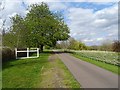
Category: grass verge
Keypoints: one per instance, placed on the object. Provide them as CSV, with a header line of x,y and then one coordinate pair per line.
x,y
56,75
24,73
37,73
69,80
106,66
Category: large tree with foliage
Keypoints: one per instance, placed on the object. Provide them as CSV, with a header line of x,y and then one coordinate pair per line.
x,y
45,27
40,27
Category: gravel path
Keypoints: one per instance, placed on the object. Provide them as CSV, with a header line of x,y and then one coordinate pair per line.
x,y
89,75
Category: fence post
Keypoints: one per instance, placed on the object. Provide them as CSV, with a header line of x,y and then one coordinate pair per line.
x,y
27,52
16,53
37,52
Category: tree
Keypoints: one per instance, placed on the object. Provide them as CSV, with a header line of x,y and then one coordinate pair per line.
x,y
71,43
16,35
106,45
18,30
45,27
76,45
9,40
40,27
3,27
116,46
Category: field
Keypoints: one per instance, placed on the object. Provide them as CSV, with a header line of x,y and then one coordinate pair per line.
x,y
104,59
103,56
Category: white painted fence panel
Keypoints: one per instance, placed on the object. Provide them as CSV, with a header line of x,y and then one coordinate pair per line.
x,y
27,51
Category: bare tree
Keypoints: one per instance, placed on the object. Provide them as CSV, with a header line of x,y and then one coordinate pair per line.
x,y
116,46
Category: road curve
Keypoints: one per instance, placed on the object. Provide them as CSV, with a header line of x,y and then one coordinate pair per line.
x,y
89,75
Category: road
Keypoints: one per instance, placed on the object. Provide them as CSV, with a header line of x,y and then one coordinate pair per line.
x,y
89,75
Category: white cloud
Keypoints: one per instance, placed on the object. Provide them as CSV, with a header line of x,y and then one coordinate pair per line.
x,y
88,40
94,26
12,15
57,6
1,22
100,39
10,9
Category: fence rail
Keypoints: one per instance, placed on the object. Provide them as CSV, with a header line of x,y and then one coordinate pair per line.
x,y
28,52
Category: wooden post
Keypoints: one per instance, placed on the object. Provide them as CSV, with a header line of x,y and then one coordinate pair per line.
x,y
27,52
16,53
37,52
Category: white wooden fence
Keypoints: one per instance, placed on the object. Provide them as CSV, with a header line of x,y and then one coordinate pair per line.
x,y
28,52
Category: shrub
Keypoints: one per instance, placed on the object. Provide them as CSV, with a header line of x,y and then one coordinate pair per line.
x,y
7,54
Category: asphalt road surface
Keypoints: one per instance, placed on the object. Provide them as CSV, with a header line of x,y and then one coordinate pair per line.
x,y
89,75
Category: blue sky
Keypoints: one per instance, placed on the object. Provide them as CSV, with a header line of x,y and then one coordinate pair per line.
x,y
89,22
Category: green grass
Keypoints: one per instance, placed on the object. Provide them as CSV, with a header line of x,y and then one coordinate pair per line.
x,y
69,80
104,65
24,73
36,73
57,76
0,79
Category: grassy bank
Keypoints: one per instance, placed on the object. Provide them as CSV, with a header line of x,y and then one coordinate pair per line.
x,y
104,65
37,73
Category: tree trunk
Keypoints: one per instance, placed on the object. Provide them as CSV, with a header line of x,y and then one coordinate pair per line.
x,y
41,48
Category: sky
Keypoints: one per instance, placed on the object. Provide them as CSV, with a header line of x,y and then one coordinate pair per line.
x,y
90,21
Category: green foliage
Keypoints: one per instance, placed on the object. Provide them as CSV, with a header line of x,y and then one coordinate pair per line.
x,y
71,44
15,37
40,27
76,45
10,40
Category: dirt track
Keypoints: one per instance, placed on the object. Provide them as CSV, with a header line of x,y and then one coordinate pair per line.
x,y
89,75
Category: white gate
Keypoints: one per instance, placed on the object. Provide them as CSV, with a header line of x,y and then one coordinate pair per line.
x,y
27,51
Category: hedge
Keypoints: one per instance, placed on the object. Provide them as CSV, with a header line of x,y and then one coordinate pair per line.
x,y
7,54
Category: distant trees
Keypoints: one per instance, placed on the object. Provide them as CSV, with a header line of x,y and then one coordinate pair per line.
x,y
107,46
71,43
76,45
116,46
40,27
